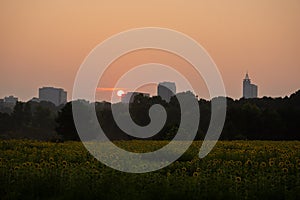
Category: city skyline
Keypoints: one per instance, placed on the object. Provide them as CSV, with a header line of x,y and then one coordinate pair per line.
x,y
126,95
44,43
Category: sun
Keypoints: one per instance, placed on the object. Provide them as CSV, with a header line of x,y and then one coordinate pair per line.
x,y
120,93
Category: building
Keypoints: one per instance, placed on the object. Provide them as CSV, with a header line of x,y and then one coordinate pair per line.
x,y
10,101
249,89
166,90
55,95
7,104
129,96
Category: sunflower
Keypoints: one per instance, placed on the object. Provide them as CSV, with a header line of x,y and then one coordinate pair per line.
x,y
285,170
281,164
195,174
238,179
238,163
220,171
248,163
263,164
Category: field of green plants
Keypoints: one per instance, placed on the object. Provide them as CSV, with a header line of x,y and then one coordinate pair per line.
x,y
233,170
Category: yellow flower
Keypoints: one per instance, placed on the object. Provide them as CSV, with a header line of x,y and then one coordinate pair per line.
x,y
248,163
195,174
263,164
238,179
52,164
64,162
285,170
281,164
239,163
51,159
220,171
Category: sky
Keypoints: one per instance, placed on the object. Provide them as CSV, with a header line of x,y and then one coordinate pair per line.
x,y
43,43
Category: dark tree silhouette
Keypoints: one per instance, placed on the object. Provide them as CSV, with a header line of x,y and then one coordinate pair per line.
x,y
252,119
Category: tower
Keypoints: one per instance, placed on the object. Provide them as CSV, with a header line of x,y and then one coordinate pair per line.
x,y
249,89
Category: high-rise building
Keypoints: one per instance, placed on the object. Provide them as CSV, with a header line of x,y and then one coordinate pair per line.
x,y
166,90
55,95
10,100
249,89
129,96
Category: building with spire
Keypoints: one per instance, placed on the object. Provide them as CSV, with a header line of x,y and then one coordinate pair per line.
x,y
249,89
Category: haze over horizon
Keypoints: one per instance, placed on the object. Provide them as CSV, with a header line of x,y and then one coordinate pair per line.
x,y
43,43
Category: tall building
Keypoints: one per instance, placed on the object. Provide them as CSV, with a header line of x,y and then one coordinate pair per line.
x,y
129,96
55,95
166,90
10,100
249,89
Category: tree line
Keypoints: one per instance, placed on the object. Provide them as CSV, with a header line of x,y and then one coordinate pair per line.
x,y
246,119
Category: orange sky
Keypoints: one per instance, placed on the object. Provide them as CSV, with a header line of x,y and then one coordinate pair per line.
x,y
43,43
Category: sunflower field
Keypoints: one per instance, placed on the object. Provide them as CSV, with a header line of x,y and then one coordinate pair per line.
x,y
232,170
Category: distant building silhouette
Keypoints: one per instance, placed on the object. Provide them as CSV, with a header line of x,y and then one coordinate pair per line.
x,y
249,89
7,104
129,96
166,90
55,95
10,101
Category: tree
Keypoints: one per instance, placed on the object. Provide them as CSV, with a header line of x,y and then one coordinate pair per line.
x,y
65,123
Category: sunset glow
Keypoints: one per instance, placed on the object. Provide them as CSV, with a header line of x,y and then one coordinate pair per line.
x,y
50,39
109,89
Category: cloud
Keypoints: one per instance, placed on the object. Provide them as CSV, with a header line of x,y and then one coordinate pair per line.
x,y
109,89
